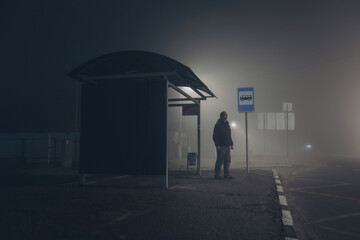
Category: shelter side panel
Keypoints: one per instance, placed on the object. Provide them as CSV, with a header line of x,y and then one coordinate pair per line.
x,y
123,127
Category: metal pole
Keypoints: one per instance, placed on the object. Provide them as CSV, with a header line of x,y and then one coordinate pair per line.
x,y
247,154
55,160
76,123
166,177
180,138
264,134
23,149
49,148
287,133
198,142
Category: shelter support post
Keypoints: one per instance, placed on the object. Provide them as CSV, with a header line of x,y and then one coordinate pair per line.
x,y
76,116
166,177
198,143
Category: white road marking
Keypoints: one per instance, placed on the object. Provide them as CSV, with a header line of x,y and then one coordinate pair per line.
x,y
322,186
107,179
339,231
182,187
286,217
124,216
92,182
282,200
286,214
328,195
334,218
275,173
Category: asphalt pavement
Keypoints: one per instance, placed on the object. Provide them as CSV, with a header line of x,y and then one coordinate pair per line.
x,y
51,204
324,198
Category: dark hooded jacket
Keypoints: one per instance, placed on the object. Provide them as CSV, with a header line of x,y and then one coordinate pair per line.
x,y
222,134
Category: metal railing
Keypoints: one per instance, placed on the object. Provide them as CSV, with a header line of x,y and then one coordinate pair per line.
x,y
41,148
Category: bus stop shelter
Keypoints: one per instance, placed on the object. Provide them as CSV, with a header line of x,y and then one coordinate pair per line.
x,y
121,111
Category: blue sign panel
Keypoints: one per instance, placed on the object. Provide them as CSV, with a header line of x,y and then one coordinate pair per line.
x,y
246,99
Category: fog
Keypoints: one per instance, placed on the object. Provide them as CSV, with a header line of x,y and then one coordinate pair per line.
x,y
303,52
324,98
309,58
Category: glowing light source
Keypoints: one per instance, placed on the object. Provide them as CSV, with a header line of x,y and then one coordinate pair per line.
x,y
308,147
189,91
233,124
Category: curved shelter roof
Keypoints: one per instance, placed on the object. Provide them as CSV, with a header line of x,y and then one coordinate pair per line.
x,y
138,64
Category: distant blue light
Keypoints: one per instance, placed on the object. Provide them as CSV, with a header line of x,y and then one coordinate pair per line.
x,y
308,147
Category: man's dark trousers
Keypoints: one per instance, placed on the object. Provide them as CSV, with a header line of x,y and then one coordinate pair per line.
x,y
223,157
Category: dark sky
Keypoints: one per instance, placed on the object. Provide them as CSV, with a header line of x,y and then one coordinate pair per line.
x,y
43,40
285,49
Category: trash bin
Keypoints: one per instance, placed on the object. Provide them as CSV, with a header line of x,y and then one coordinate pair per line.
x,y
191,160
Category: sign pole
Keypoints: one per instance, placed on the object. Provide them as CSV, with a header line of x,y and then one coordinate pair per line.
x,y
246,104
287,132
287,107
247,153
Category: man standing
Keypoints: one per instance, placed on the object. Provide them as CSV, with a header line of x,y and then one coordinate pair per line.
x,y
223,143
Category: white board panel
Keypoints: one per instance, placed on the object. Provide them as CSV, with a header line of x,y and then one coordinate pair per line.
x,y
270,121
280,121
291,121
261,121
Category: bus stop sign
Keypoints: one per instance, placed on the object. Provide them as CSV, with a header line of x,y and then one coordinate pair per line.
x,y
246,99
